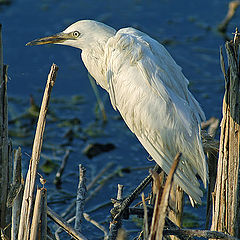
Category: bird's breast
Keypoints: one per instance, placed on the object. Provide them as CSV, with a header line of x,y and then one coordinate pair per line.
x,y
94,64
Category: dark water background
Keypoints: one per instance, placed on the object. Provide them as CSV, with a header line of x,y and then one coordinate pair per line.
x,y
186,28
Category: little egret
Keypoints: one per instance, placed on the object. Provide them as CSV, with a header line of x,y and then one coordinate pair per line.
x,y
149,90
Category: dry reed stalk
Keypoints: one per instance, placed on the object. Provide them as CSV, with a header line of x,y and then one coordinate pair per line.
x,y
158,220
157,193
128,201
81,197
102,183
36,150
36,219
1,56
115,225
64,225
17,201
176,203
57,180
226,197
89,186
232,7
59,229
189,233
210,147
122,235
96,224
145,218
43,231
99,175
5,147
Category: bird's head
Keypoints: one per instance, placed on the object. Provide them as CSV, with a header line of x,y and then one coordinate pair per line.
x,y
81,34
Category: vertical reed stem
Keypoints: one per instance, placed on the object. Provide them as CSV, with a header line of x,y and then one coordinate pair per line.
x,y
226,196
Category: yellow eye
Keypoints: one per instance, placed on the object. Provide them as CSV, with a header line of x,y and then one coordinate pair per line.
x,y
76,34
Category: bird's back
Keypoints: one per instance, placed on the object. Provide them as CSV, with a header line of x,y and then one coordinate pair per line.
x,y
151,93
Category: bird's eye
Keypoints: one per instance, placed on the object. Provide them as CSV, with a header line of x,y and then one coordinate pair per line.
x,y
76,34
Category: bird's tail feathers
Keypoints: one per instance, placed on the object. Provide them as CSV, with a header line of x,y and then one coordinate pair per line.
x,y
185,176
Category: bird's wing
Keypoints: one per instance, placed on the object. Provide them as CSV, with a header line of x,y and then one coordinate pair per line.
x,y
151,93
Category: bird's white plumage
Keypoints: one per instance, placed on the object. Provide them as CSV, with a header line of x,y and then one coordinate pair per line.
x,y
149,90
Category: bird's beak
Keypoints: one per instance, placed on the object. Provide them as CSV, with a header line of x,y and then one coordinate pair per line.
x,y
57,38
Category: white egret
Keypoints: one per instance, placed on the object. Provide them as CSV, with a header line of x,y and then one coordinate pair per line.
x,y
149,90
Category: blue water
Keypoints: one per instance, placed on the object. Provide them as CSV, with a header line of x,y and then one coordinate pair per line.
x,y
187,27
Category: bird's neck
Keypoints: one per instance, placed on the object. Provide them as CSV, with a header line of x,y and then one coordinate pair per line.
x,y
93,59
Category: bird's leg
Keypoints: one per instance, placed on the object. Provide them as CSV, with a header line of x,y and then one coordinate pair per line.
x,y
118,212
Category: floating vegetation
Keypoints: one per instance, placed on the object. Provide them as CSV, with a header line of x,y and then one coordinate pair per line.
x,y
48,166
94,130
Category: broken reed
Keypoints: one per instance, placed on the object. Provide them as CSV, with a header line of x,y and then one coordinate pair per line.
x,y
226,197
28,195
5,146
32,227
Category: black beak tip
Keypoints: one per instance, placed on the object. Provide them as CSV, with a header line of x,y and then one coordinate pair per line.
x,y
32,43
